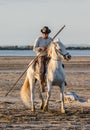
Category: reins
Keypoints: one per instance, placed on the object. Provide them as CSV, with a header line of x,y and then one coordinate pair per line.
x,y
64,55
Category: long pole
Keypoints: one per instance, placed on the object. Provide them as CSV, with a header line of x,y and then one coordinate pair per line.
x,y
31,64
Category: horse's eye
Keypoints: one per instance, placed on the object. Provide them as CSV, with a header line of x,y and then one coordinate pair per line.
x,y
60,49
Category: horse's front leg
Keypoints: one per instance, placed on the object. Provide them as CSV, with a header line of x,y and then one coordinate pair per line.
x,y
41,98
49,85
32,95
62,98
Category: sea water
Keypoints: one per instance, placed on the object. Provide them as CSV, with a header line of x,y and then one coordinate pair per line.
x,y
32,53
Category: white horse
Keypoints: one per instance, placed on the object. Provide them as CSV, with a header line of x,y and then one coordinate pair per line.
x,y
55,76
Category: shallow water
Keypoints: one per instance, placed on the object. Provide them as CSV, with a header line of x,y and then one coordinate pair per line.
x,y
32,53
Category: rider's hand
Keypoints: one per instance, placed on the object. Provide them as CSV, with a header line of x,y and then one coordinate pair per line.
x,y
43,48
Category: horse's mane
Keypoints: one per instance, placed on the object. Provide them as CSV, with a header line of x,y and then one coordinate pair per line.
x,y
49,50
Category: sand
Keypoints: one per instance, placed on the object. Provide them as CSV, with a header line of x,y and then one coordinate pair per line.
x,y
15,116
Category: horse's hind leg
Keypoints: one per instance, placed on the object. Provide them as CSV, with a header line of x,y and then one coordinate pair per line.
x,y
32,95
62,98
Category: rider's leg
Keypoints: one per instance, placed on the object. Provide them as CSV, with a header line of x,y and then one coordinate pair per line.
x,y
41,73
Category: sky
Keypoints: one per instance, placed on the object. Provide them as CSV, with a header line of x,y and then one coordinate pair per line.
x,y
22,20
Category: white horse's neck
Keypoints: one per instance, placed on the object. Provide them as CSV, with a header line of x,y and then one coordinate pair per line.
x,y
56,62
55,57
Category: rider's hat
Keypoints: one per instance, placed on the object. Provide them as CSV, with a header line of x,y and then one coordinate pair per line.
x,y
45,30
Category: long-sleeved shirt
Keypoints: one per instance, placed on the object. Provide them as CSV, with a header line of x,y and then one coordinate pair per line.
x,y
41,42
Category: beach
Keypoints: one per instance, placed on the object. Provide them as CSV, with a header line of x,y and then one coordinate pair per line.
x,y
15,116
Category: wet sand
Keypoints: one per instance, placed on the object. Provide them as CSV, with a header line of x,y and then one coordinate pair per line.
x,y
15,116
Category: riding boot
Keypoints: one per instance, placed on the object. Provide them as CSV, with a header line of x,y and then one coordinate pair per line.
x,y
41,72
42,87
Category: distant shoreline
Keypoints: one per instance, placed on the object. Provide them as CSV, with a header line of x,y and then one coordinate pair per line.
x,y
31,48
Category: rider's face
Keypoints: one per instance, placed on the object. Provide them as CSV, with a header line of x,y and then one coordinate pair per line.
x,y
44,35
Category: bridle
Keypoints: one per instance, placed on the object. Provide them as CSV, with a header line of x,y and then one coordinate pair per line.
x,y
66,56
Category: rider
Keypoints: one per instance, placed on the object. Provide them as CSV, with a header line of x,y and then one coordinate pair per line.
x,y
40,46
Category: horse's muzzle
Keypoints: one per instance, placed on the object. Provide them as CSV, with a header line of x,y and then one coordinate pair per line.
x,y
67,56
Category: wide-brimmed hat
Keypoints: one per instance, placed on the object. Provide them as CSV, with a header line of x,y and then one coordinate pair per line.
x,y
46,30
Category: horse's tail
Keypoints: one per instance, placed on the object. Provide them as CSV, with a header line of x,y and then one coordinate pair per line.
x,y
25,92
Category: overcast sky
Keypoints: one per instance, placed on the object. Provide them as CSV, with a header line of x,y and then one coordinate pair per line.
x,y
22,20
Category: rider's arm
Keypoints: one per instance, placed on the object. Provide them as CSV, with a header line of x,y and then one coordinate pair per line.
x,y
36,46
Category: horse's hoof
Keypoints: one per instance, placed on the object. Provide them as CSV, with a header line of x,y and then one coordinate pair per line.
x,y
62,111
41,106
45,108
33,109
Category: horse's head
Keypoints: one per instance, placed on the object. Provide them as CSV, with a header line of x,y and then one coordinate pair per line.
x,y
57,50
